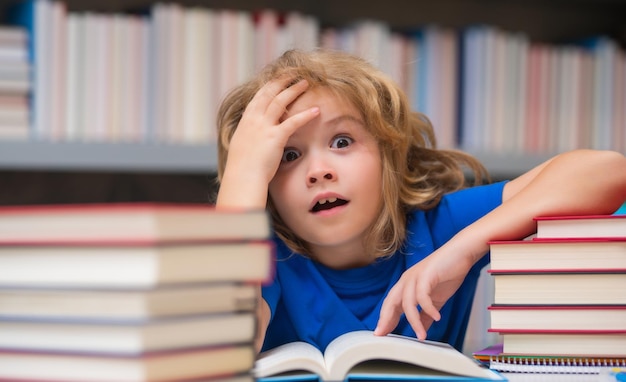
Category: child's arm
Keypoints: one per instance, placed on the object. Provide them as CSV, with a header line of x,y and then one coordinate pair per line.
x,y
257,145
254,154
263,319
578,182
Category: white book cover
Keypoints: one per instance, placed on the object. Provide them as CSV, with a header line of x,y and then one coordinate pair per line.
x,y
266,37
74,79
226,74
244,46
174,74
198,82
520,60
544,99
303,31
100,120
41,90
145,70
158,61
399,60
619,102
604,53
553,99
58,70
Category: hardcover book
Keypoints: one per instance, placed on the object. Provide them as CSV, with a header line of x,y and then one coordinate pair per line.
x,y
558,254
361,355
125,304
553,288
578,343
212,363
129,222
133,266
558,317
584,226
132,338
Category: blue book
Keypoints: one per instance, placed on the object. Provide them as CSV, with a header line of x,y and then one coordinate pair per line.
x,y
362,356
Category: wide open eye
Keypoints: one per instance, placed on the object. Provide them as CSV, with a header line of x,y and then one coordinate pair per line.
x,y
341,142
289,155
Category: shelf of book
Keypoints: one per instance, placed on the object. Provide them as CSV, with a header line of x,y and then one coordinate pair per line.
x,y
164,158
124,105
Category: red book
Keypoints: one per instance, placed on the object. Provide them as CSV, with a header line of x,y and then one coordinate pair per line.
x,y
577,343
557,317
142,245
558,255
129,223
134,266
585,226
220,363
547,287
132,338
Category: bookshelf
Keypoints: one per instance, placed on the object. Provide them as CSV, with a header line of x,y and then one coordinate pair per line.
x,y
553,21
182,159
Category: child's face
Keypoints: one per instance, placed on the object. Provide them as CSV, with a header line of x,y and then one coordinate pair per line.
x,y
328,188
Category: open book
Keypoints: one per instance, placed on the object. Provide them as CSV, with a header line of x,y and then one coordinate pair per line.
x,y
361,355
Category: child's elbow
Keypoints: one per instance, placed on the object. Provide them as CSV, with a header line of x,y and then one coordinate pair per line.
x,y
613,165
610,164
608,170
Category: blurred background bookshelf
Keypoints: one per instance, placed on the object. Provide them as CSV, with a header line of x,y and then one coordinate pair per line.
x,y
153,163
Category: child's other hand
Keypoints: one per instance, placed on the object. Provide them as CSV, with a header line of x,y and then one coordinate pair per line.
x,y
429,284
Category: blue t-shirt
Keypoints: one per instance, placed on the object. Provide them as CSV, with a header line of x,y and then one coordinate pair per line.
x,y
313,303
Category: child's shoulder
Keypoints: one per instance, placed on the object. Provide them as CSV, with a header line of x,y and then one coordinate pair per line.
x,y
460,208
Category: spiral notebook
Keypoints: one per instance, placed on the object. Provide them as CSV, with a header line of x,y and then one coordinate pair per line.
x,y
494,358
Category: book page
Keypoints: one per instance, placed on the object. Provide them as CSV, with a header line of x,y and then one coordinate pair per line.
x,y
353,348
290,357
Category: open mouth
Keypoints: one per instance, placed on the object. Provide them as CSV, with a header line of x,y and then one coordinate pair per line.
x,y
327,204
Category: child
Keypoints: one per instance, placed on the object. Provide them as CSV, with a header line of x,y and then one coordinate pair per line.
x,y
375,227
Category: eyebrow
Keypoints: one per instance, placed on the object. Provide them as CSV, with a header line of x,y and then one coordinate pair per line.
x,y
346,117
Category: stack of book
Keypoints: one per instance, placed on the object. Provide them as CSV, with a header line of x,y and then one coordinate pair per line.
x,y
132,292
15,83
560,297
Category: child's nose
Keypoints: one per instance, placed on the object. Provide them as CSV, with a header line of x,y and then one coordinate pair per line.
x,y
327,176
319,172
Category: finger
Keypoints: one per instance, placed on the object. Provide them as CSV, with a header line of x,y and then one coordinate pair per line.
x,y
390,312
278,106
429,308
266,94
294,122
409,305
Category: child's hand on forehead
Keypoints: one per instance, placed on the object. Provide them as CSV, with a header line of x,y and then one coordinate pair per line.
x,y
262,134
257,145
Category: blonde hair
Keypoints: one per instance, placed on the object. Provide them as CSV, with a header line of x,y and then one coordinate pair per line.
x,y
415,174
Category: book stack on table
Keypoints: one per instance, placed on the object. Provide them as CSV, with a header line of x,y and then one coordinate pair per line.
x,y
560,297
132,292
